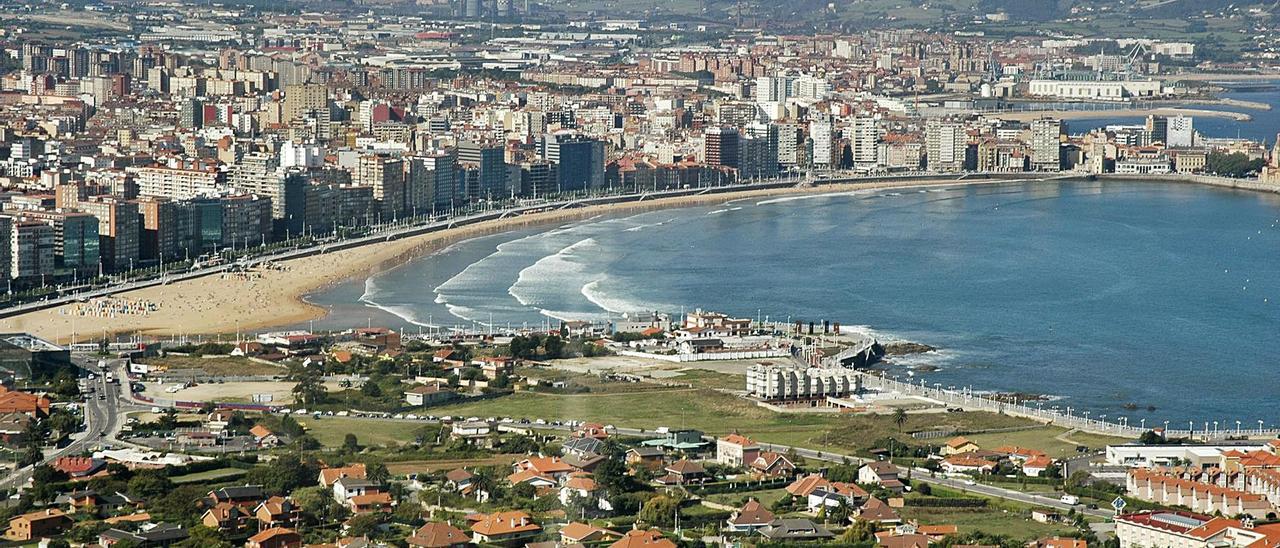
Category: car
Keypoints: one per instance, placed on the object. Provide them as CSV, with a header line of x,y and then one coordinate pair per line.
x,y
1093,506
411,417
970,482
540,421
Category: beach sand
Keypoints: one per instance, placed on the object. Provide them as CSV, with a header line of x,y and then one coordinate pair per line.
x,y
219,304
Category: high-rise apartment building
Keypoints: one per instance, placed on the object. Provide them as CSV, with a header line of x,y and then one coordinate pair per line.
x,y
1046,145
945,145
720,147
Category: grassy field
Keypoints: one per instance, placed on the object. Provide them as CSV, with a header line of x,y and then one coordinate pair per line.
x,y
996,521
218,366
717,413
426,466
1045,439
330,431
209,475
766,497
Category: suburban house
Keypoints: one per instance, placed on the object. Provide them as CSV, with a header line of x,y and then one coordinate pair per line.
x,y
583,448
371,502
329,476
752,517
585,487
225,516
34,525
967,464
438,535
772,465
882,473
275,537
276,512
683,472
876,511
591,430
1018,454
637,538
1035,466
472,432
583,533
245,496
427,394
459,480
504,527
346,488
532,477
650,458
263,436
958,445
795,530
835,494
551,467
493,366
147,536
736,450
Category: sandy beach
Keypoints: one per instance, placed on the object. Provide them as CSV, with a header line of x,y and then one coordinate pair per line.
x,y
226,304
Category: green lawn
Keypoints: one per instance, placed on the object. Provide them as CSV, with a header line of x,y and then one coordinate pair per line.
x,y
766,497
209,475
330,431
1045,439
1014,524
717,413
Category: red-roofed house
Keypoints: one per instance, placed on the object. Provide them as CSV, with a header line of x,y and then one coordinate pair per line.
x,y
736,450
504,527
438,535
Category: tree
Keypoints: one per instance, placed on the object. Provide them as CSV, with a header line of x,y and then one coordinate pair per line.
x,y
201,536
553,346
350,444
317,504
363,525
660,511
377,472
1236,164
309,389
370,389
148,484
32,455
900,417
861,531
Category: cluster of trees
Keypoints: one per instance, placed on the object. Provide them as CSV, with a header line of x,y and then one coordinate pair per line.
x,y
535,346
1236,164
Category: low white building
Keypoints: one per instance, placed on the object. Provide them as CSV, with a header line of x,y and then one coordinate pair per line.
x,y
1148,456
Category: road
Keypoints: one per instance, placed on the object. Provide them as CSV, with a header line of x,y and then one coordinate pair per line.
x,y
101,416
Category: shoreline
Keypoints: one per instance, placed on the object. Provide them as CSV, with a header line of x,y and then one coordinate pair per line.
x,y
219,304
273,298
1028,115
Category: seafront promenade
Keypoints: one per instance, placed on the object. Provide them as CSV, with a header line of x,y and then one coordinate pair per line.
x,y
417,226
964,397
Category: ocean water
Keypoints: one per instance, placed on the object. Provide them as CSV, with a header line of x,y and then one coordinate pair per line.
x,y
1102,294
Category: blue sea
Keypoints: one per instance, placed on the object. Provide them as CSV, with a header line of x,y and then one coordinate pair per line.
x,y
1101,294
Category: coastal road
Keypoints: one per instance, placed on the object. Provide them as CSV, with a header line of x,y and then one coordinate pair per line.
x,y
101,410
